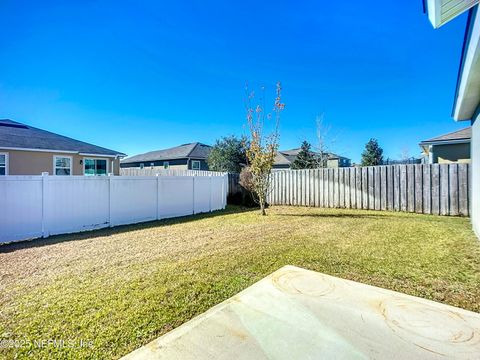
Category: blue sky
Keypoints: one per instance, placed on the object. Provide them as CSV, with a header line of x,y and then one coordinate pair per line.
x,y
140,76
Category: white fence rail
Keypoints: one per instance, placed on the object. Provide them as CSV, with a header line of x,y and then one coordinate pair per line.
x,y
39,206
167,172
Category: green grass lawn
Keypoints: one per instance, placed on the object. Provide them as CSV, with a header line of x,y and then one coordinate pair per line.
x,y
120,288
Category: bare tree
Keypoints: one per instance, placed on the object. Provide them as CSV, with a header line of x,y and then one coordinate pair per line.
x,y
404,153
324,140
262,148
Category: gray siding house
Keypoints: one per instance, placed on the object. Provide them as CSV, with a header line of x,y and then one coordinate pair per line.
x,y
466,105
285,158
453,147
192,156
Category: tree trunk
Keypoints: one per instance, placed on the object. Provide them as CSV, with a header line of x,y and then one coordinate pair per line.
x,y
262,208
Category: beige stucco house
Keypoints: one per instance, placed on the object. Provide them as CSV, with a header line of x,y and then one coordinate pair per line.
x,y
453,147
25,150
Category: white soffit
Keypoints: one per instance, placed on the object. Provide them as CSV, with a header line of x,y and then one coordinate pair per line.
x,y
442,11
468,87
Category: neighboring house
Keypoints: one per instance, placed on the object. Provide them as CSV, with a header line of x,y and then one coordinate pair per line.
x,y
467,95
191,156
285,158
453,147
25,150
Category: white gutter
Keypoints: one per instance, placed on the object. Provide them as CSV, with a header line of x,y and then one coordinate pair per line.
x,y
446,142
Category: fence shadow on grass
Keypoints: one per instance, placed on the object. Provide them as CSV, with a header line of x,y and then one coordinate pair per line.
x,y
56,239
343,215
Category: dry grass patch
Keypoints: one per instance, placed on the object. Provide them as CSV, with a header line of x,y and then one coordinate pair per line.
x,y
122,287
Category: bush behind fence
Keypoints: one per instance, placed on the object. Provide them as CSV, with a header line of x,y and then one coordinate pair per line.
x,y
441,189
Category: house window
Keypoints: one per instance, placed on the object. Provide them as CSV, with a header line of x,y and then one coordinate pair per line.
x,y
142,165
166,164
62,165
195,165
3,164
94,167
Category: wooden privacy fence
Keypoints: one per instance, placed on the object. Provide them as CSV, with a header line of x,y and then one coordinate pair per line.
x,y
441,189
234,186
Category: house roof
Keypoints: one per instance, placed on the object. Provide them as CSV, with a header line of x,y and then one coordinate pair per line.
x,y
463,135
442,11
194,150
286,157
15,135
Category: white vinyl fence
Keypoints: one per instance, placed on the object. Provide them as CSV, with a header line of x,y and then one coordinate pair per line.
x,y
157,171
39,206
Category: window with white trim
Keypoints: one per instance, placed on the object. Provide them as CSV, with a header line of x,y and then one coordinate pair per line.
x,y
62,165
195,165
94,167
3,163
166,164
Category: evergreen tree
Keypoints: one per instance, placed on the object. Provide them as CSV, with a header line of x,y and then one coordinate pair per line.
x,y
228,155
373,154
306,159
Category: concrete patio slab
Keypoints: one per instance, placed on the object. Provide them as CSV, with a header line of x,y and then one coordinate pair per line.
x,y
300,314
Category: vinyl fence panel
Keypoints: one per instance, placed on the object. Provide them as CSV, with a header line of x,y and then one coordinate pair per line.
x,y
441,189
36,206
175,196
20,207
74,204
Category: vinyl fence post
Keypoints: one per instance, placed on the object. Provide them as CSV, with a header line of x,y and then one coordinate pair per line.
x,y
158,195
193,195
110,201
211,193
44,200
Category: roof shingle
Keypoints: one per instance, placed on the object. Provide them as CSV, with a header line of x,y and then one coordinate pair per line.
x,y
17,135
192,150
462,134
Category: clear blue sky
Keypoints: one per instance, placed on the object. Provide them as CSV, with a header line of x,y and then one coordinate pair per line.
x,y
137,76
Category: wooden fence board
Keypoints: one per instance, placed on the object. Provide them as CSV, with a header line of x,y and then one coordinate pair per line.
x,y
371,188
364,183
463,185
377,187
396,189
390,187
426,189
359,187
435,181
403,189
383,188
453,189
444,206
410,188
418,188
353,192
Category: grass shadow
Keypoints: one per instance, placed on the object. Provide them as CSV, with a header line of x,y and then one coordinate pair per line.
x,y
109,231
